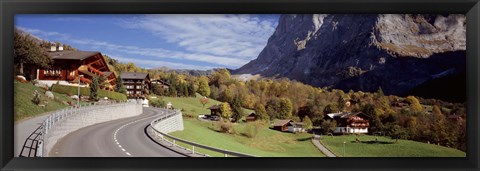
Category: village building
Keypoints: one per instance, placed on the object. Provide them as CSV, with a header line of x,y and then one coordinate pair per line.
x,y
214,110
137,84
70,66
251,118
288,125
163,84
349,123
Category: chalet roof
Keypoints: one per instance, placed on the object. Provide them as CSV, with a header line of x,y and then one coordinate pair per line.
x,y
344,115
133,75
161,81
252,114
107,73
297,124
73,55
214,107
282,122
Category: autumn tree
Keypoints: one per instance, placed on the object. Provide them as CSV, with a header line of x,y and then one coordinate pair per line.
x,y
261,112
203,87
330,108
279,108
204,101
414,104
237,110
307,122
26,51
225,110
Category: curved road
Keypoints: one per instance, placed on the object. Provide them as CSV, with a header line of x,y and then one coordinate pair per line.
x,y
119,138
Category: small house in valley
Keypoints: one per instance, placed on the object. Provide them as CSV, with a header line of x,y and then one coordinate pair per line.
x,y
214,110
350,122
251,118
288,125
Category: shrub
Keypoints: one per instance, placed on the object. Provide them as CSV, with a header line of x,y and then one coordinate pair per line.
x,y
225,127
157,103
36,97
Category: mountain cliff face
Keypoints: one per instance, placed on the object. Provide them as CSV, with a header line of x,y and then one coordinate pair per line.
x,y
396,52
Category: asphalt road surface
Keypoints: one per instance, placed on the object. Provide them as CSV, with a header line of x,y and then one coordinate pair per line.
x,y
119,138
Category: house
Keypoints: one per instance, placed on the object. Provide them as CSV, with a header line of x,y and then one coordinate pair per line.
x,y
69,65
288,125
137,84
350,122
214,110
163,84
252,117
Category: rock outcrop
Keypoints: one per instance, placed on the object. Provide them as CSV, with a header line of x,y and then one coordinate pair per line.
x,y
363,52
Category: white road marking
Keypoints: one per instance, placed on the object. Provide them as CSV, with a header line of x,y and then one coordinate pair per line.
x,y
121,127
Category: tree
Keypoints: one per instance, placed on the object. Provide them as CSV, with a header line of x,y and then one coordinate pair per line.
x,y
237,108
328,126
261,112
119,87
203,87
280,108
414,104
396,132
369,110
225,110
26,51
204,101
330,108
307,122
191,90
97,83
158,90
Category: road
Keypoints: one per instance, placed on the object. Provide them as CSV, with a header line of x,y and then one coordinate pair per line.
x,y
119,138
23,129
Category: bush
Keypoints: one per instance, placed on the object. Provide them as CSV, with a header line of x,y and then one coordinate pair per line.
x,y
36,97
64,89
157,103
225,127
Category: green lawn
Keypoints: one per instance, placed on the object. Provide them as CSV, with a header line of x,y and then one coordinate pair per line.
x,y
267,143
386,147
193,103
24,107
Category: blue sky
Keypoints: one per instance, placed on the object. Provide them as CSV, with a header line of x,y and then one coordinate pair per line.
x,y
177,41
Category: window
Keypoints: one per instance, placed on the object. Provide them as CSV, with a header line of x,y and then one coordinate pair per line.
x,y
139,87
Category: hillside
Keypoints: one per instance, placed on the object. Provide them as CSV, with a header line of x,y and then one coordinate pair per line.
x,y
363,52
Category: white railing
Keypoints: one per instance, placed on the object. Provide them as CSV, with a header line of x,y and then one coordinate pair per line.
x,y
194,145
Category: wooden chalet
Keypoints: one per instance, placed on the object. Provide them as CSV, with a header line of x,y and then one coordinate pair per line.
x,y
350,122
281,125
251,118
68,65
163,84
288,125
214,110
137,84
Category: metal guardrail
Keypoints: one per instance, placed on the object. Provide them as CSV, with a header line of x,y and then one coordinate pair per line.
x,y
226,153
56,117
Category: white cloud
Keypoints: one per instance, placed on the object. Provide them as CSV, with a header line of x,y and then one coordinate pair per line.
x,y
234,36
157,63
44,34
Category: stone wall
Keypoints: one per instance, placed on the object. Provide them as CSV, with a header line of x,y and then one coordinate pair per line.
x,y
71,120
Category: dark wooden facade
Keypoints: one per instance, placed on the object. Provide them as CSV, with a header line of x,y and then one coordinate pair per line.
x,y
282,125
68,65
137,84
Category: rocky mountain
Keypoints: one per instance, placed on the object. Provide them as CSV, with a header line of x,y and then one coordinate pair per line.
x,y
396,52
